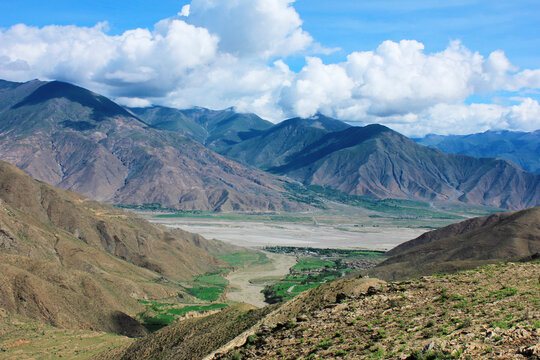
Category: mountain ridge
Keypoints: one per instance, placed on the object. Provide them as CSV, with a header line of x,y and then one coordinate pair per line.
x,y
78,140
522,148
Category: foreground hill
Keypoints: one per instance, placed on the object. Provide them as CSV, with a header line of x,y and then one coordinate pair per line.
x,y
71,262
72,138
378,162
466,315
521,148
465,245
214,129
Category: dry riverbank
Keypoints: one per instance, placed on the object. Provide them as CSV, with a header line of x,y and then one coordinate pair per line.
x,y
246,284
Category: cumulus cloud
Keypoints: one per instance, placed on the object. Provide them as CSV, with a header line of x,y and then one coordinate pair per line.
x,y
219,54
256,28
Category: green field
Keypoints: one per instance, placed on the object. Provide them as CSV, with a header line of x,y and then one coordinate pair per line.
x,y
313,263
159,315
206,293
315,267
315,196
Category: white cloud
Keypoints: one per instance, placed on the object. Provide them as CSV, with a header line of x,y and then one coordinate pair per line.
x,y
219,54
133,102
317,87
254,28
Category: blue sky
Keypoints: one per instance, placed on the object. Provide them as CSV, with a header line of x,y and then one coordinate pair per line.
x,y
482,25
225,55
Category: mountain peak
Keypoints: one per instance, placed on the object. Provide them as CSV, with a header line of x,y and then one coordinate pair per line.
x,y
100,105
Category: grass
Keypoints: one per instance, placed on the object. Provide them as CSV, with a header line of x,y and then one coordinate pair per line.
x,y
23,338
212,279
159,315
309,264
206,293
315,194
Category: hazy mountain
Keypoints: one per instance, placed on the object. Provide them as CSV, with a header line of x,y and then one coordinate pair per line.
x,y
522,148
378,162
214,129
278,144
73,262
465,245
78,140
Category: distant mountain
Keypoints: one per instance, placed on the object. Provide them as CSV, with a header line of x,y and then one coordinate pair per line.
x,y
465,245
214,129
278,144
521,148
72,262
378,162
78,140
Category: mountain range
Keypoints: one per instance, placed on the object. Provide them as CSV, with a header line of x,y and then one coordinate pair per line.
x,y
70,137
521,148
374,161
78,140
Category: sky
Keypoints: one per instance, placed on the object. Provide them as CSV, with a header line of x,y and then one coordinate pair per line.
x,y
419,67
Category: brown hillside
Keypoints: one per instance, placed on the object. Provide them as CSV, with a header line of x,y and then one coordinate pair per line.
x,y
489,313
465,245
193,338
72,138
73,262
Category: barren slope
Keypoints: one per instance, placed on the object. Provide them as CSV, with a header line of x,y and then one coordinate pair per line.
x,y
465,245
77,140
73,262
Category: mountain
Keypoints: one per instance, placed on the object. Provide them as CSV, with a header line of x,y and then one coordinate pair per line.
x,y
72,138
378,162
212,128
521,148
72,262
276,145
465,245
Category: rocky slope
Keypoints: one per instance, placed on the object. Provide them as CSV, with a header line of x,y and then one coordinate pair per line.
x,y
521,148
468,315
71,262
277,145
465,245
378,162
77,140
490,313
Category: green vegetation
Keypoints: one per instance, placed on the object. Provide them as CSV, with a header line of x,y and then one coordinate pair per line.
x,y
236,216
313,263
315,194
206,293
315,267
159,315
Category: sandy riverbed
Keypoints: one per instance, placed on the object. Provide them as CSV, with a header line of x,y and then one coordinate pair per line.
x,y
260,234
242,290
